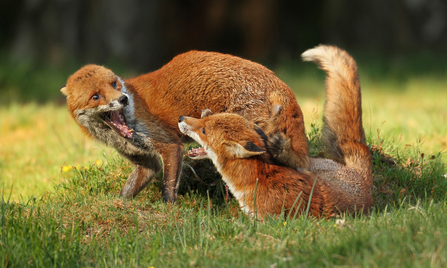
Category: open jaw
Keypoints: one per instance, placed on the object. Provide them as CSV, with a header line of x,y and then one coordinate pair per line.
x,y
117,121
197,153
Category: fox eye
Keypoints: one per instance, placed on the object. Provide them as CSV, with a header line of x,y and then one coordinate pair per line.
x,y
95,97
114,84
203,131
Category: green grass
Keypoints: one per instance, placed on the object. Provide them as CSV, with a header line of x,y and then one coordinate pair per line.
x,y
36,142
62,217
84,223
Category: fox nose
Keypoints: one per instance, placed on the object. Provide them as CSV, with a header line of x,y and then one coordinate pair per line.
x,y
123,100
180,119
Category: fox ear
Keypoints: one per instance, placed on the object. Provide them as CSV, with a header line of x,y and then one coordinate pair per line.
x,y
260,132
245,150
64,90
276,110
206,112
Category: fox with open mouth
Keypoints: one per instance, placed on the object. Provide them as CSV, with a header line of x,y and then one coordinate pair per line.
x,y
138,116
244,156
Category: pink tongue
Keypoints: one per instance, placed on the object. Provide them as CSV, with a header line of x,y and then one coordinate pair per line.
x,y
196,152
120,125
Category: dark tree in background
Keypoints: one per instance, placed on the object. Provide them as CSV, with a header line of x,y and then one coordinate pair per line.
x,y
392,26
58,30
145,34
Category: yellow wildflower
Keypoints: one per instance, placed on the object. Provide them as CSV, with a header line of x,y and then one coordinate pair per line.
x,y
67,168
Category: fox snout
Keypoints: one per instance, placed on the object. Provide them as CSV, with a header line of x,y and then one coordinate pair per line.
x,y
182,125
191,122
181,118
124,100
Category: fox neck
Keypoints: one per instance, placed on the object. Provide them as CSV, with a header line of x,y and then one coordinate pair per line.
x,y
241,177
138,114
239,170
129,110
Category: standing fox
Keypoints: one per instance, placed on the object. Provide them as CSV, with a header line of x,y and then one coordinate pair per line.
x,y
242,153
138,116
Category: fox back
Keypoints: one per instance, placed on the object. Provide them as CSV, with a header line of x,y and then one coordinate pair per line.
x,y
223,83
340,183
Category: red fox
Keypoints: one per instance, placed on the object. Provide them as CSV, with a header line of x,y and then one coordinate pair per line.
x,y
138,116
340,183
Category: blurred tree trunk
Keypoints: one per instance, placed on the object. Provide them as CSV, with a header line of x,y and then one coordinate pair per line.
x,y
146,34
394,26
91,30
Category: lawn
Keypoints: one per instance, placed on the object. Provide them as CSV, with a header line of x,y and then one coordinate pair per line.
x,y
60,189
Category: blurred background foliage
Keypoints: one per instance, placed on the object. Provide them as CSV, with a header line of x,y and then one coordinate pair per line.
x,y
44,41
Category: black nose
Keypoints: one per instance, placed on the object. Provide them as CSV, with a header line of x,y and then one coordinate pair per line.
x,y
180,119
123,100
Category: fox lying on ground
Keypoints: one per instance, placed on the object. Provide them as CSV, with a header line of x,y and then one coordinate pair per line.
x,y
138,116
342,182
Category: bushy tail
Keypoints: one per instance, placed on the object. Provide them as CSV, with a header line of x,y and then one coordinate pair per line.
x,y
343,135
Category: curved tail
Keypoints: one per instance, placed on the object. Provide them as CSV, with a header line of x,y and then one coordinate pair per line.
x,y
343,135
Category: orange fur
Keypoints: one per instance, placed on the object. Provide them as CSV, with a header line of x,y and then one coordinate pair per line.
x,y
86,87
190,82
343,134
241,154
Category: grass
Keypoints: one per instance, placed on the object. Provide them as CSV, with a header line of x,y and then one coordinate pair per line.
x,y
36,142
57,216
83,223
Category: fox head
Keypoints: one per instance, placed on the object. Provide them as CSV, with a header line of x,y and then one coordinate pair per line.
x,y
223,137
96,101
